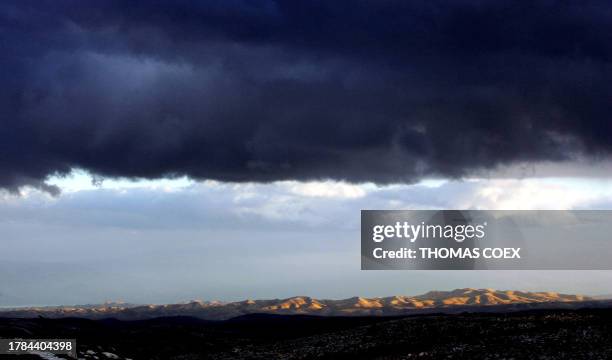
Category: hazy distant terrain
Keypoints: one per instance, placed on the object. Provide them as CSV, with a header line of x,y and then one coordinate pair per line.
x,y
434,301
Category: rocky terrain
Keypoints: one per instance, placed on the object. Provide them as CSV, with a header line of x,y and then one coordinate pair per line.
x,y
534,334
434,301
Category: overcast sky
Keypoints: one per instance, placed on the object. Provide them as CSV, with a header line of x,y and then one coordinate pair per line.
x,y
233,143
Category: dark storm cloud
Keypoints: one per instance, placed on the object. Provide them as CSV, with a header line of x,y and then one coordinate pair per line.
x,y
384,91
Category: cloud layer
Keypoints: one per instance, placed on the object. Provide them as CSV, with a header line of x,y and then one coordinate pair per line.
x,y
386,91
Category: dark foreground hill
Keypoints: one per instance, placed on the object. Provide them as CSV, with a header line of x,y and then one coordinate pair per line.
x,y
535,334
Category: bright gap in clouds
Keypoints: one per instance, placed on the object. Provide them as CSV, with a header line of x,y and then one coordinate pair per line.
x,y
474,193
80,180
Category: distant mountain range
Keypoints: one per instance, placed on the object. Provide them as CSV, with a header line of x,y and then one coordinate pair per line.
x,y
603,297
458,300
